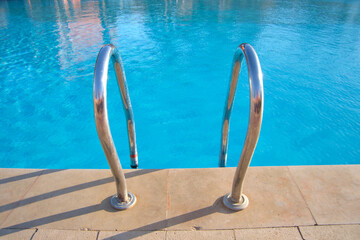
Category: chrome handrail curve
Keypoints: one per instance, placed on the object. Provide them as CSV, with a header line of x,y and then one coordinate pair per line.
x,y
123,199
237,200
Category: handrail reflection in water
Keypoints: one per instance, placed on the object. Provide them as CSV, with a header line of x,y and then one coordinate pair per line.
x,y
123,199
237,200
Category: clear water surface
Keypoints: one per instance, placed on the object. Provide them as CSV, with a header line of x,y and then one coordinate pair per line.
x,y
177,57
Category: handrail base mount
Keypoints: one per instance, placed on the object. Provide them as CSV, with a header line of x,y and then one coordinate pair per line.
x,y
244,202
118,205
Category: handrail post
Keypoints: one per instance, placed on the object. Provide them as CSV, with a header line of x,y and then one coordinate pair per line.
x,y
237,200
123,199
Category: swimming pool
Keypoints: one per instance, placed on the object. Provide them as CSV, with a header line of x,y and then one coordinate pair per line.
x,y
177,57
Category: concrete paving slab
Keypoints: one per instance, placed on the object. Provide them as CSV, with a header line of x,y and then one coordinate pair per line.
x,y
134,235
79,199
18,234
45,234
332,232
201,235
196,199
284,233
331,192
14,183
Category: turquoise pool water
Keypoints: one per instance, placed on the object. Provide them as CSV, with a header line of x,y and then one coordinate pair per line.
x,y
177,57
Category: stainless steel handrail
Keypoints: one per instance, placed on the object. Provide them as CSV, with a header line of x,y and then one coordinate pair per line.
x,y
237,200
123,199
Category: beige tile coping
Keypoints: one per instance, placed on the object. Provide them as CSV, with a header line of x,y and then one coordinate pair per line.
x,y
176,200
284,233
79,199
331,192
326,232
331,232
196,199
134,235
14,183
200,235
18,234
46,234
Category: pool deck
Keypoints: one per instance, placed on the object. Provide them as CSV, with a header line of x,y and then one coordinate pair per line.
x,y
297,202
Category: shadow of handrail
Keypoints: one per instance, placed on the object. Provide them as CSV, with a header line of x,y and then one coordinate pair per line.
x,y
63,191
217,207
29,175
53,218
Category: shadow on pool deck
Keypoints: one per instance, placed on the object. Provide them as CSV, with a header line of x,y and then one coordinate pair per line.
x,y
179,200
104,205
29,175
63,191
217,207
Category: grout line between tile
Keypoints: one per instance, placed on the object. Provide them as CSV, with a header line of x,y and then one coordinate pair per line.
x,y
22,197
32,236
302,195
263,227
298,228
332,224
234,234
